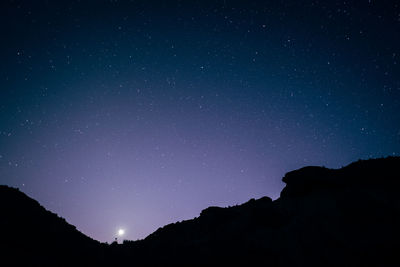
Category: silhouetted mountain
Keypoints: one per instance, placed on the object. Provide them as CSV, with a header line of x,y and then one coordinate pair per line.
x,y
31,235
324,217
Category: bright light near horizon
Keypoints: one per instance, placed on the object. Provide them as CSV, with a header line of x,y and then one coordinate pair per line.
x,y
121,232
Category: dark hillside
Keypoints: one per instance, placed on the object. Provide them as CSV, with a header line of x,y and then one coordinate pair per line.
x,y
32,235
324,217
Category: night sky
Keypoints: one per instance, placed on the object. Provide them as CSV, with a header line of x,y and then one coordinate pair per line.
x,y
135,114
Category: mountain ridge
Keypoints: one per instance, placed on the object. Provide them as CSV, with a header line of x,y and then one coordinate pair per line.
x,y
331,217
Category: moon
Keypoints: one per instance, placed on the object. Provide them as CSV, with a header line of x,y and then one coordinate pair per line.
x,y
121,232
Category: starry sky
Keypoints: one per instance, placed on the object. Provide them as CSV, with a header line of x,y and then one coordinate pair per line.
x,y
136,114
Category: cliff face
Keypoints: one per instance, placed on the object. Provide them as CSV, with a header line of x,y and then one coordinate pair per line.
x,y
350,215
324,217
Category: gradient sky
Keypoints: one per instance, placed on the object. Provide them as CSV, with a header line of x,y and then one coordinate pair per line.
x,y
136,114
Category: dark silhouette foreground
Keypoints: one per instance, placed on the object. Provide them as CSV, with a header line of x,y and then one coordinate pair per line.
x,y
324,217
